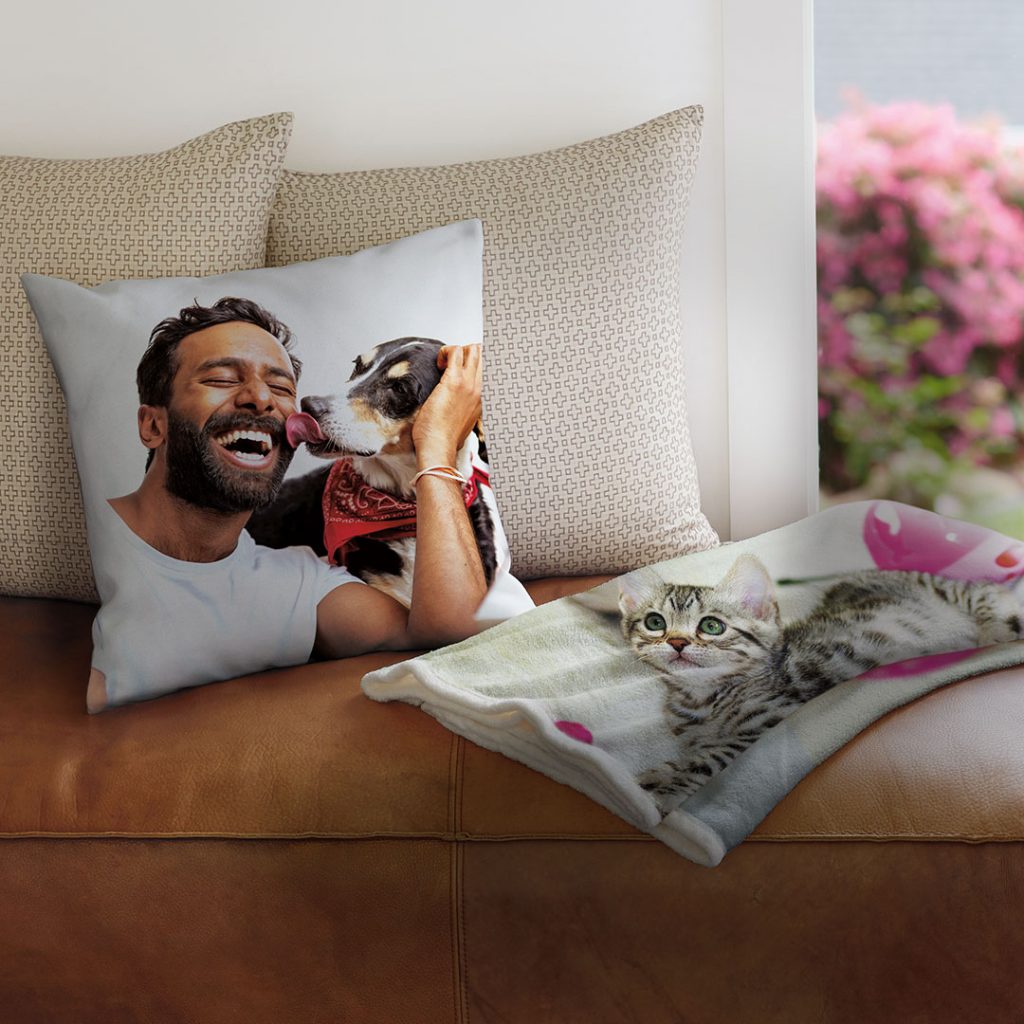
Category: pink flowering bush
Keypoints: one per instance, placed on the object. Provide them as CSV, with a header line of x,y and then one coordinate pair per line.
x,y
920,295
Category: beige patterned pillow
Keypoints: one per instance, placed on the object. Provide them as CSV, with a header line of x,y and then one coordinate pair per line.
x,y
584,380
200,208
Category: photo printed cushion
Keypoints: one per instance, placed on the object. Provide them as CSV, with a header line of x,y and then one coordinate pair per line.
x,y
378,316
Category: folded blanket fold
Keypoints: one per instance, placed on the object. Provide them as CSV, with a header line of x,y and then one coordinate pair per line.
x,y
690,697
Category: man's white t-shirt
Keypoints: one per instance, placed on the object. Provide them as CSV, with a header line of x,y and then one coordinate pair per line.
x,y
166,624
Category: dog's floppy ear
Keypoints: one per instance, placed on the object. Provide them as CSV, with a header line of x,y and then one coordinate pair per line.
x,y
423,368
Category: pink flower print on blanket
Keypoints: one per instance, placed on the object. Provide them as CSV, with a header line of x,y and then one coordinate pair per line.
x,y
576,730
916,540
918,666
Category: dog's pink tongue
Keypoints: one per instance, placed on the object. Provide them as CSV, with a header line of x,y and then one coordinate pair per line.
x,y
299,427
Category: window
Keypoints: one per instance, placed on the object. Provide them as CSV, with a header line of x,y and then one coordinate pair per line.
x,y
920,199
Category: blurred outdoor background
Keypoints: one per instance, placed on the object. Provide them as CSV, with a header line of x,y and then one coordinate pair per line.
x,y
920,196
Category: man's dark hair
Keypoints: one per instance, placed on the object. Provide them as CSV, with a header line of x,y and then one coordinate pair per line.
x,y
159,363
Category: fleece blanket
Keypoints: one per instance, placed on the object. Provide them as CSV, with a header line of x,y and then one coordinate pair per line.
x,y
691,696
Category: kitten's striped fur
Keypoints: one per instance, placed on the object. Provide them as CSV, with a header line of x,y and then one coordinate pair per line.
x,y
732,670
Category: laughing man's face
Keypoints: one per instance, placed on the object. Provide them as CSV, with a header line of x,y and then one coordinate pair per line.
x,y
232,392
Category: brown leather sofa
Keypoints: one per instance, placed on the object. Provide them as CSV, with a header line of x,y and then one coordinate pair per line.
x,y
281,849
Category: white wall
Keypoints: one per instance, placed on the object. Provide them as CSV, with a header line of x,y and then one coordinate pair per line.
x,y
768,103
412,82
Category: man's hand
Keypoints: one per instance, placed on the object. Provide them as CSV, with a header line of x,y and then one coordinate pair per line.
x,y
452,409
448,581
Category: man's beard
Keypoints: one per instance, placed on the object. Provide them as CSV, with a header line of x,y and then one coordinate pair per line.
x,y
196,473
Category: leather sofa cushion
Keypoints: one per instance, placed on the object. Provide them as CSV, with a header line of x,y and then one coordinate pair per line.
x,y
301,752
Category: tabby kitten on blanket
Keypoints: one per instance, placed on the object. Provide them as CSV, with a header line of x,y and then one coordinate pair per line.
x,y
732,669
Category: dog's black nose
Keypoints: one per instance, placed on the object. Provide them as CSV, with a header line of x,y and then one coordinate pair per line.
x,y
315,405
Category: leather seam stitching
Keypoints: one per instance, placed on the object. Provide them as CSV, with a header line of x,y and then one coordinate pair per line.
x,y
453,939
456,885
973,837
465,837
449,836
464,958
454,875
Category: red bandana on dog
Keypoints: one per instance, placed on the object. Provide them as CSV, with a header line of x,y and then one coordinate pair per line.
x,y
352,508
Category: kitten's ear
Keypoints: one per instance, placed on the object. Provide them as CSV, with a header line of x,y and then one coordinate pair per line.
x,y
749,585
637,589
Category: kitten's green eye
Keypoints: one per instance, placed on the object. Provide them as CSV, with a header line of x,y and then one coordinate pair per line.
x,y
655,623
710,625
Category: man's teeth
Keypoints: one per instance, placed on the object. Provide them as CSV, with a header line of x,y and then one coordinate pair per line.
x,y
259,436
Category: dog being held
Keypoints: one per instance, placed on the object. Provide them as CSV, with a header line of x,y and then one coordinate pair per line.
x,y
360,509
